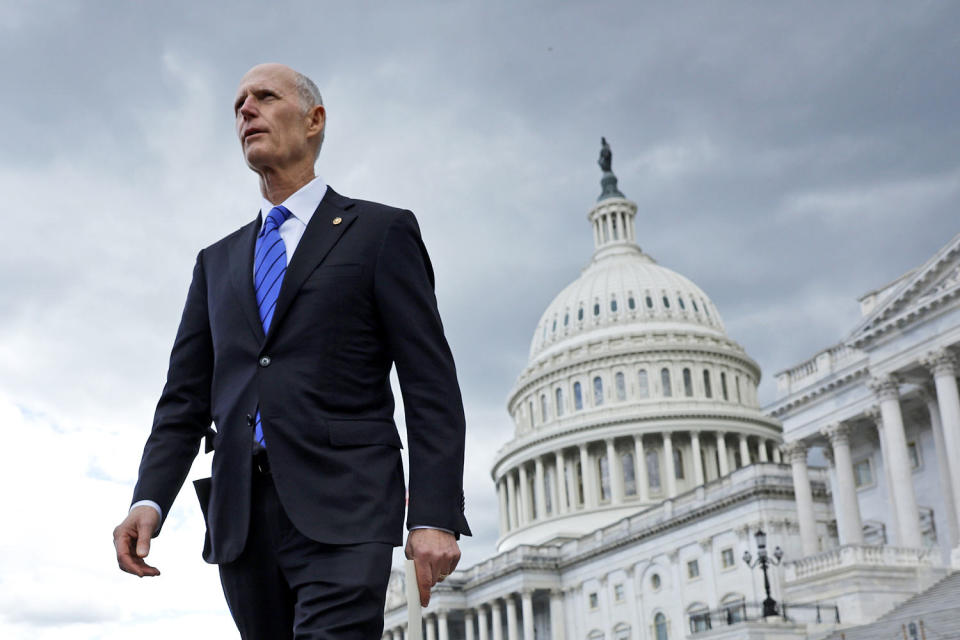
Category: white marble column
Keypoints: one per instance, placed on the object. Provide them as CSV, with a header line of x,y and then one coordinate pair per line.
x,y
443,625
482,633
615,469
496,616
431,627
558,630
943,467
561,483
796,453
524,495
640,457
504,514
776,454
668,465
893,535
762,450
697,458
943,366
722,457
539,489
512,632
400,633
887,390
846,506
526,606
744,451
586,477
512,511
468,624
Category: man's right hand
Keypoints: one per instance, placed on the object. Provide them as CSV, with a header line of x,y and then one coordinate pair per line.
x,y
132,540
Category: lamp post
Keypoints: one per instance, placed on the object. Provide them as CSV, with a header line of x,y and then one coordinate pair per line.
x,y
769,605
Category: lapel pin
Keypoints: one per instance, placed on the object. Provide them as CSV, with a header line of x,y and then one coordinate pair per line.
x,y
337,220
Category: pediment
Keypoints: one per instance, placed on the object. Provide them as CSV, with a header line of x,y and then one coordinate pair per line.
x,y
927,285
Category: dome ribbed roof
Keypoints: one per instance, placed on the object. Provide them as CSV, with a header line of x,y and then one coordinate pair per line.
x,y
624,292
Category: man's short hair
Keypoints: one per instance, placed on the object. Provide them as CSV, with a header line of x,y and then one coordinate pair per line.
x,y
310,97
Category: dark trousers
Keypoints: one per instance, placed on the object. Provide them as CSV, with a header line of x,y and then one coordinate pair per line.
x,y
285,586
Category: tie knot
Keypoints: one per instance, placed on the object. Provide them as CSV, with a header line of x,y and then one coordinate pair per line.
x,y
275,218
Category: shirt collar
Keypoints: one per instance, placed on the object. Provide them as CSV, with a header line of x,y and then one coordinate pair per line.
x,y
301,204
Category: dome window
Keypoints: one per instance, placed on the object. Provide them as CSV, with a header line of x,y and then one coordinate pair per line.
x,y
596,309
577,397
580,313
706,310
613,305
566,319
723,385
597,391
680,302
629,477
653,469
554,325
644,385
678,464
655,583
631,303
694,303
530,407
559,394
666,302
621,386
706,383
665,382
543,407
687,383
649,302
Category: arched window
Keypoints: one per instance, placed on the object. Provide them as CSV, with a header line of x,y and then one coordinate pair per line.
x,y
629,476
678,464
687,383
616,235
736,379
621,387
680,302
554,325
559,395
734,606
694,303
643,387
631,303
580,313
596,309
706,310
706,383
566,319
723,385
577,397
543,407
665,382
660,627
613,305
699,617
604,467
653,469
666,301
597,391
548,484
649,302
621,632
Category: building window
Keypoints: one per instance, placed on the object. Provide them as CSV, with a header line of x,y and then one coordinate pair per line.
x,y
597,391
619,592
649,302
666,302
549,482
559,395
631,303
566,318
543,406
653,469
700,621
687,383
613,305
581,497
862,473
665,381
706,384
723,385
577,397
680,302
706,309
596,308
693,569
643,386
615,233
594,601
655,581
604,466
736,379
660,627
678,464
914,452
629,476
621,386
694,303
580,313
554,328
530,407
726,558
621,633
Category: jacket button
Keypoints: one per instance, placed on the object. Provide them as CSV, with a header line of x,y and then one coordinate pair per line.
x,y
265,361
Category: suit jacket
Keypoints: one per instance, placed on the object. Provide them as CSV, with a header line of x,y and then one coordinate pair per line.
x,y
357,297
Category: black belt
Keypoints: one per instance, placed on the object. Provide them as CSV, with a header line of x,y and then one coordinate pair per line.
x,y
261,464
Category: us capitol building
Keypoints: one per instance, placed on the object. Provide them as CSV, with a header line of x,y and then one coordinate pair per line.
x,y
642,468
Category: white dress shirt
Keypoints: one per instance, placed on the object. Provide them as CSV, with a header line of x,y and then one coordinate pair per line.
x,y
301,204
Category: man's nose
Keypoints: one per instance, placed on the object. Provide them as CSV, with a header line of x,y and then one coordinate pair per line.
x,y
249,107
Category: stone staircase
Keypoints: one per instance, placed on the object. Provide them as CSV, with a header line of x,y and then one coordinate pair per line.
x,y
937,608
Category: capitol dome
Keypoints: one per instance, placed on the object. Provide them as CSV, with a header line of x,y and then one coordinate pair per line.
x,y
633,393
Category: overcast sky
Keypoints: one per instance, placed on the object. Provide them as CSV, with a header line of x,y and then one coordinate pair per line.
x,y
786,158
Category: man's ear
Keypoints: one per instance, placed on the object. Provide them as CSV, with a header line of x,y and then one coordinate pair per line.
x,y
317,120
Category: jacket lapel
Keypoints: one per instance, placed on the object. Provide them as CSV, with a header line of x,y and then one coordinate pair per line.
x,y
318,238
241,275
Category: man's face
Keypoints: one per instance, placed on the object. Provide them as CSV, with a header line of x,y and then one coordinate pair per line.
x,y
274,131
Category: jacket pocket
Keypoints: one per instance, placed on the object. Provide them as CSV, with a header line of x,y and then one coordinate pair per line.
x,y
358,433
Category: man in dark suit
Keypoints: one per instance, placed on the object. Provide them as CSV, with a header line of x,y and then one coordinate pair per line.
x,y
289,331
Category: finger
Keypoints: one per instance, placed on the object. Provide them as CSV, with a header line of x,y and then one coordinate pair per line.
x,y
425,580
143,539
128,561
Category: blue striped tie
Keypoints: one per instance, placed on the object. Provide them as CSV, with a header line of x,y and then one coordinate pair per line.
x,y
269,265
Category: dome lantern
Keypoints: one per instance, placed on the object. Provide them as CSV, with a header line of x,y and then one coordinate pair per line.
x,y
612,216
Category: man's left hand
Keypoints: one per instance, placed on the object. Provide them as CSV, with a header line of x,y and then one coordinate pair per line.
x,y
435,555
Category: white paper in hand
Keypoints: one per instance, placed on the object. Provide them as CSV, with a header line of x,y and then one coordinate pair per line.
x,y
414,627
